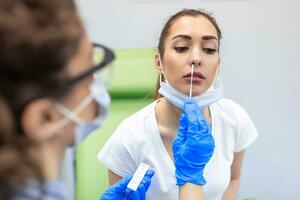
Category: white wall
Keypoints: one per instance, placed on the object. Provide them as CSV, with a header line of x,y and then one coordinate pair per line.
x,y
260,70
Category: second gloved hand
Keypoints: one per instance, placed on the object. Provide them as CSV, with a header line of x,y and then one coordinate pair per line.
x,y
193,145
119,190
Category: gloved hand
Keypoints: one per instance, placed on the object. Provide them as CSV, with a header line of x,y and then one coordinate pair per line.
x,y
119,190
193,145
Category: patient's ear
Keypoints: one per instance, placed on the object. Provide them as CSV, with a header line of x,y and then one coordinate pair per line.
x,y
40,119
158,65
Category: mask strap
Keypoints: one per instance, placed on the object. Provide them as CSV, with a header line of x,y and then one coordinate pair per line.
x,y
83,104
72,115
68,114
160,78
217,79
163,71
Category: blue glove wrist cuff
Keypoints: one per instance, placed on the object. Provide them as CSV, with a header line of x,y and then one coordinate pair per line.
x,y
194,176
200,181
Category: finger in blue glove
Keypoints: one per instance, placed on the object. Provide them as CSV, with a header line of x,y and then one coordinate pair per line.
x,y
140,193
193,146
119,190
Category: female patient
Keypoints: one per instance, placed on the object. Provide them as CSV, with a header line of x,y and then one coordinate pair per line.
x,y
188,57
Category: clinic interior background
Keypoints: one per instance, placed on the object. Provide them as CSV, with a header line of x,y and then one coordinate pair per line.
x,y
260,70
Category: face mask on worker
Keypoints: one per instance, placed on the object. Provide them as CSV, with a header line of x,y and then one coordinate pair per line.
x,y
99,94
211,95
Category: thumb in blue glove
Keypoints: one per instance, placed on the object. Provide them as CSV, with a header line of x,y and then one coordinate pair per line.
x,y
140,193
193,145
119,190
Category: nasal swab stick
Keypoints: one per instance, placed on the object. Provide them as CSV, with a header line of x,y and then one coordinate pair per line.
x,y
191,86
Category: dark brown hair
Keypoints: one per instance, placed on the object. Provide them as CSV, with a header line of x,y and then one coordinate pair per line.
x,y
37,40
166,31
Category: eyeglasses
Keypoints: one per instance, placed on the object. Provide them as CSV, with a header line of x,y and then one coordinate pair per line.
x,y
102,56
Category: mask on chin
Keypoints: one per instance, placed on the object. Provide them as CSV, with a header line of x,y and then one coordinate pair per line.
x,y
211,95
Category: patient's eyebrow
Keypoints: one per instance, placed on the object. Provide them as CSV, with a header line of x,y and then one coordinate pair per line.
x,y
186,37
209,37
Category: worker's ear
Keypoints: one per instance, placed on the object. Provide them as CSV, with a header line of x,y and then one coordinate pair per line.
x,y
158,64
40,120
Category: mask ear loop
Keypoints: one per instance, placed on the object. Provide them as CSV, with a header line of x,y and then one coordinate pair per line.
x,y
191,85
217,80
163,72
72,115
69,117
83,104
160,81
68,114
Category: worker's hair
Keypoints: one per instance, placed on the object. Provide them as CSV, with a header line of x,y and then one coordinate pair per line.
x,y
166,31
37,40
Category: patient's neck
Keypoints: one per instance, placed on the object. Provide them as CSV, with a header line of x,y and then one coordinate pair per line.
x,y
167,117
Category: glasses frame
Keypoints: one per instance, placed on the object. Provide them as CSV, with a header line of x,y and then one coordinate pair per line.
x,y
109,56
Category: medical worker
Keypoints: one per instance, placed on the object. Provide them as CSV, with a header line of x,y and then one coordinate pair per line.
x,y
50,100
188,57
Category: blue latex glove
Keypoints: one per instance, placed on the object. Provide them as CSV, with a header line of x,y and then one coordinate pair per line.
x,y
193,145
119,190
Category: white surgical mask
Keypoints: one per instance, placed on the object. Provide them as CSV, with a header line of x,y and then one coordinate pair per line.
x,y
213,94
98,93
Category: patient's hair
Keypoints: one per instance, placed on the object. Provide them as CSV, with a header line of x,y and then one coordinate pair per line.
x,y
37,40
